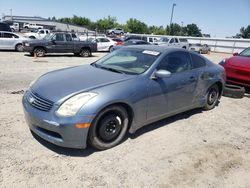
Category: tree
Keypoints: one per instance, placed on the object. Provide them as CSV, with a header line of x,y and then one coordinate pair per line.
x,y
193,30
106,23
156,30
135,26
245,32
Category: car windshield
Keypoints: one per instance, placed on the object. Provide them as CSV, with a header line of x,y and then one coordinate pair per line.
x,y
246,52
48,37
128,61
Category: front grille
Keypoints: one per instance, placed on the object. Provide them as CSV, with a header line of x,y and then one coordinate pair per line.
x,y
39,102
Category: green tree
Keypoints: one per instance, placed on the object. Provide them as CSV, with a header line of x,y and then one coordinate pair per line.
x,y
176,29
245,32
193,30
156,30
135,26
106,23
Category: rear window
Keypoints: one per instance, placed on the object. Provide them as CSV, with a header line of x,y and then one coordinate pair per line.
x,y
197,61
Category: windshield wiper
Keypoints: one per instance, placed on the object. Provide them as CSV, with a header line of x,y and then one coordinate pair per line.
x,y
110,69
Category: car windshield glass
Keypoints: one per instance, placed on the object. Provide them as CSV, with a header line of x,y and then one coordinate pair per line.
x,y
246,52
48,37
128,61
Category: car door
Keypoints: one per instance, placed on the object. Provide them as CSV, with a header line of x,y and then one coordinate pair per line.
x,y
9,40
58,44
175,93
177,43
70,43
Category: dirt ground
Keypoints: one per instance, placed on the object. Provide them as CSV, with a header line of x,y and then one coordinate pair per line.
x,y
194,149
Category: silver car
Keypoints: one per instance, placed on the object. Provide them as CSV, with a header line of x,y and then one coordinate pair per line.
x,y
11,41
200,48
121,92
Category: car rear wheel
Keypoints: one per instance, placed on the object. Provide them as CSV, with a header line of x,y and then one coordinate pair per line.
x,y
19,48
39,52
85,52
111,49
109,128
212,97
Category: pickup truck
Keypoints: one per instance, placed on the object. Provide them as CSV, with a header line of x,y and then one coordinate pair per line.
x,y
59,42
32,26
41,33
173,42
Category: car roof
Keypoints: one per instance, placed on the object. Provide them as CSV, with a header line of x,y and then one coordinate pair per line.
x,y
157,48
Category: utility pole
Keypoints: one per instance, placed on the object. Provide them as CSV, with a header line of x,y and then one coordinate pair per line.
x,y
172,13
11,15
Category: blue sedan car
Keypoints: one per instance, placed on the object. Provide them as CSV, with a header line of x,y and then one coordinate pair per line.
x,y
123,91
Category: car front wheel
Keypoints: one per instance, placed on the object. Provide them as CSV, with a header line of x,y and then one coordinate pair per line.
x,y
85,52
39,52
109,128
212,97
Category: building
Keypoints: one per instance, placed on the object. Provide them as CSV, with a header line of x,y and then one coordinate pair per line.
x,y
47,24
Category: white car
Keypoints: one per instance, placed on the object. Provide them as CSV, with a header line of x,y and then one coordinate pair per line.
x,y
173,42
105,44
32,26
11,41
41,33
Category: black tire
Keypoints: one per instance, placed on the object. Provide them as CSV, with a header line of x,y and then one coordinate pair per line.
x,y
32,37
85,52
39,52
212,97
121,33
19,48
110,48
76,54
109,128
184,47
234,91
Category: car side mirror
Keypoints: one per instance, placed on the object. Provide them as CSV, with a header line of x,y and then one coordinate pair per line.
x,y
235,54
161,74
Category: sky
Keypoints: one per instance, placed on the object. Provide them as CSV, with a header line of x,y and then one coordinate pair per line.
x,y
220,18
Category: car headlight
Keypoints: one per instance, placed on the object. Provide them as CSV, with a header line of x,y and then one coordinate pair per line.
x,y
71,106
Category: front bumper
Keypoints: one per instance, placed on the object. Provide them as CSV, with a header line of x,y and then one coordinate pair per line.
x,y
27,49
60,131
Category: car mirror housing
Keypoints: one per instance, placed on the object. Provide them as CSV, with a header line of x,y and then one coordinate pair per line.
x,y
161,74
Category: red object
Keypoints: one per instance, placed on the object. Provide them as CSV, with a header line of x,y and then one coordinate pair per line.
x,y
238,68
118,41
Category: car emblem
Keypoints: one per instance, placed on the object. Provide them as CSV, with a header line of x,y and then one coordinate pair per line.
x,y
31,100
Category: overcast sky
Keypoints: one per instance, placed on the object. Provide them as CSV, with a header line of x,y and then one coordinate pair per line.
x,y
220,18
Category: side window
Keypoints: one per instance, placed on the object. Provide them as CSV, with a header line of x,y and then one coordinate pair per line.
x,y
197,61
150,39
47,32
41,31
59,37
171,41
104,40
176,40
73,35
9,35
68,37
176,62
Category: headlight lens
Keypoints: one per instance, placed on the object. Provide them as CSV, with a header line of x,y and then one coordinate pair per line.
x,y
71,106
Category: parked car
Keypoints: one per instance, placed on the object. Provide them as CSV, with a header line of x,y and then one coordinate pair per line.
x,y
199,48
15,27
105,44
118,41
11,41
117,31
39,34
59,42
32,26
238,68
173,42
4,27
121,92
129,43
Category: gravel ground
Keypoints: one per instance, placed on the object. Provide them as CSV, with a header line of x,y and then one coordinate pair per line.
x,y
194,149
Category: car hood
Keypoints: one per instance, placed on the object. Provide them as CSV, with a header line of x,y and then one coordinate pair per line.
x,y
239,61
57,85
